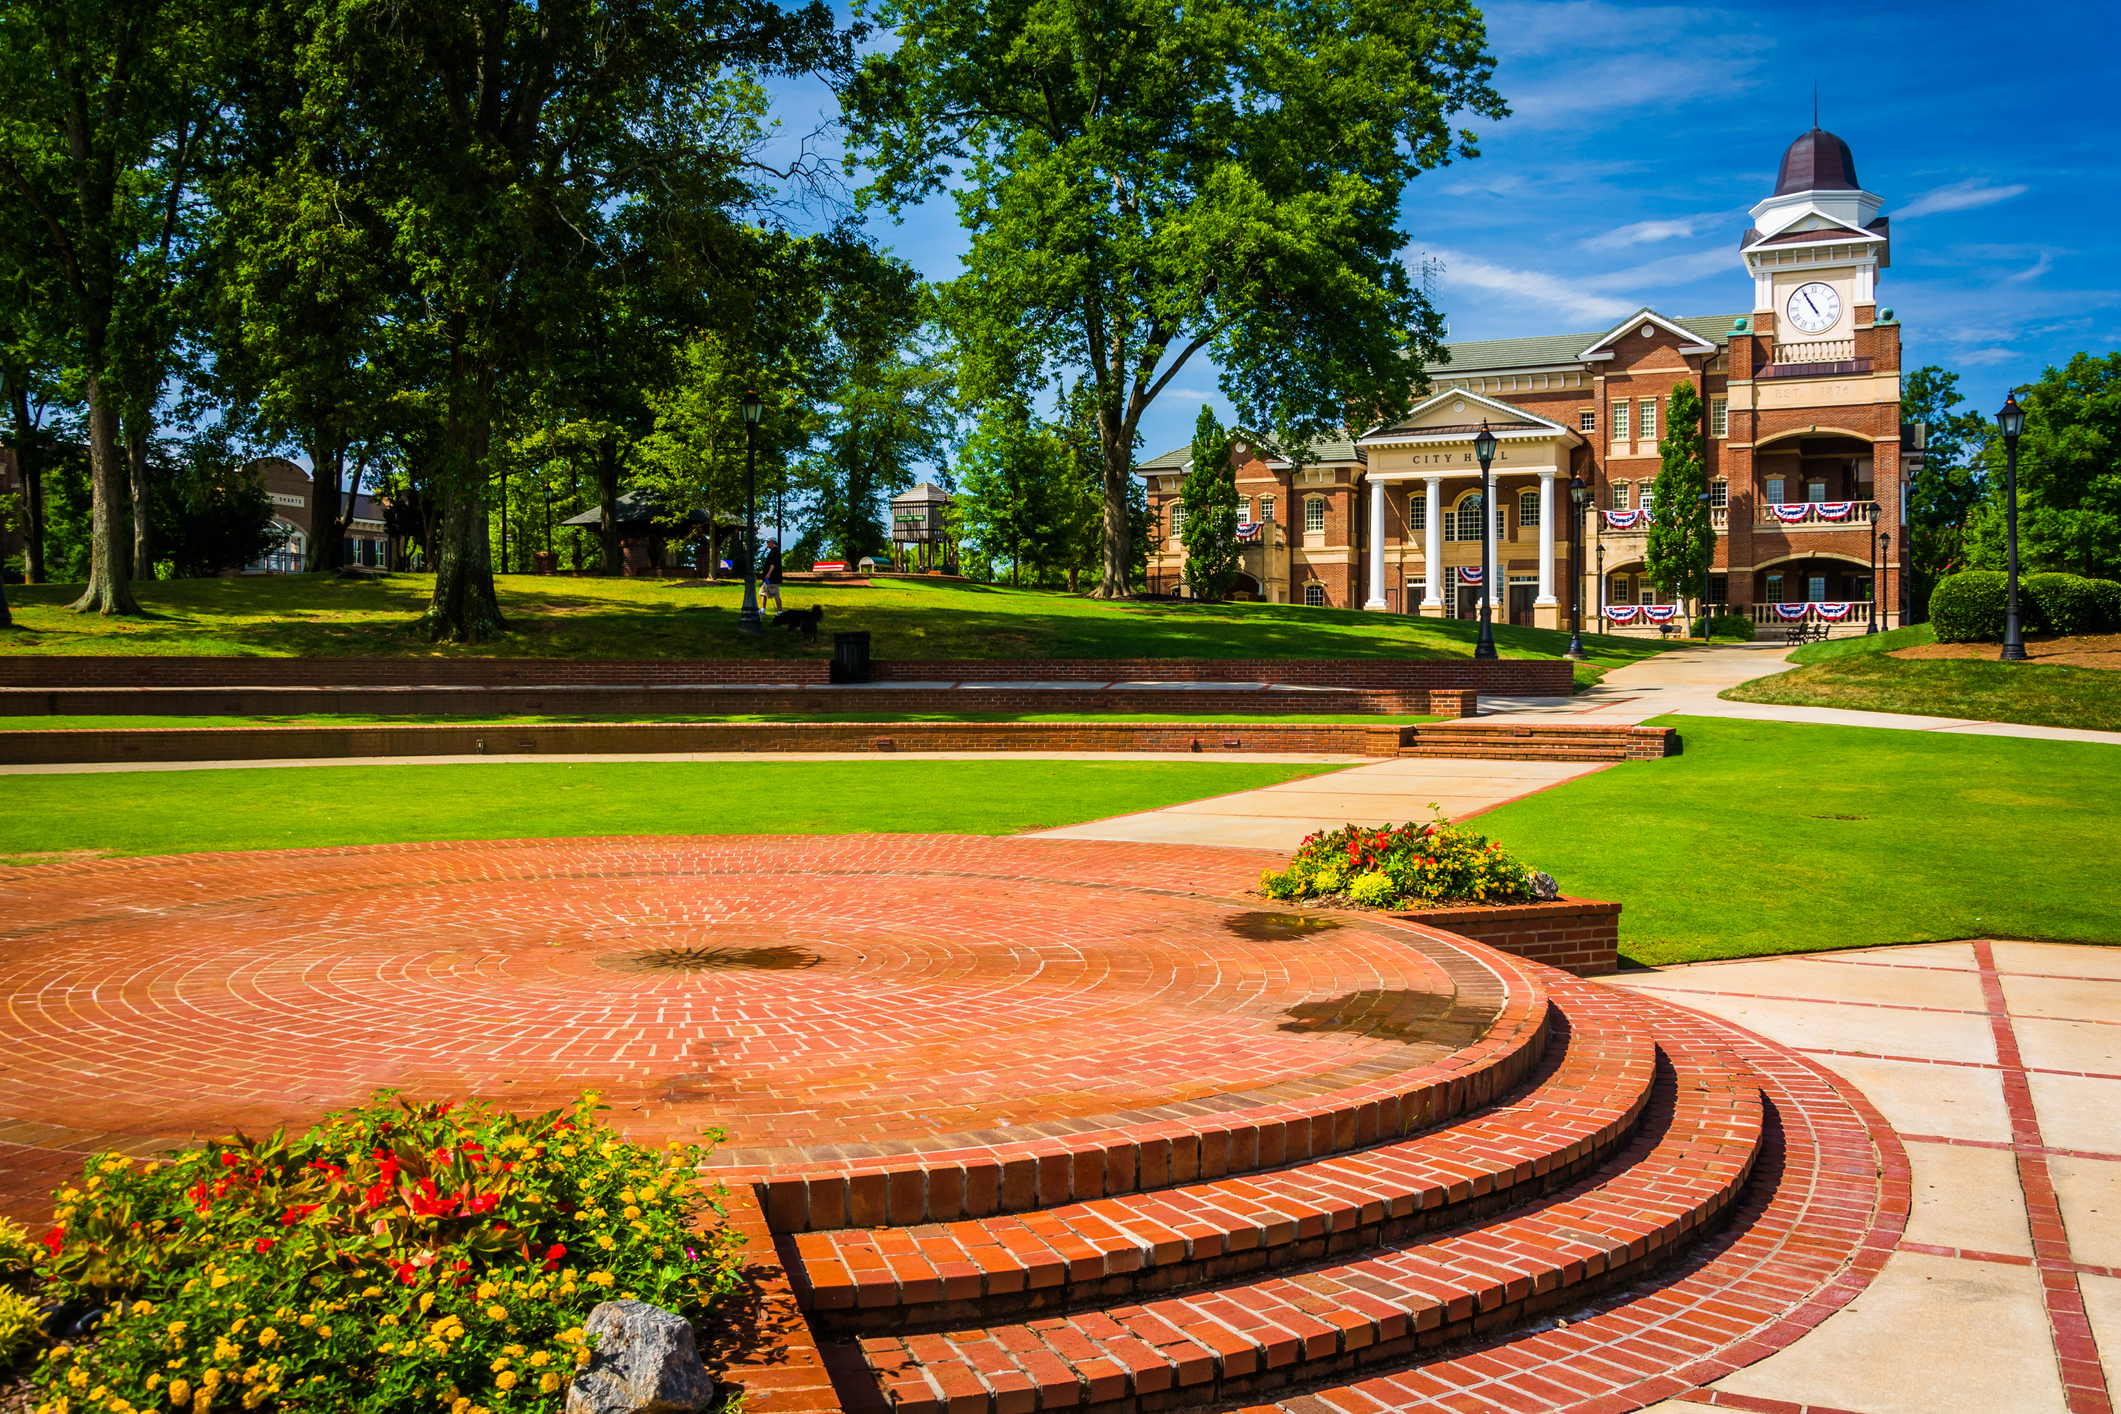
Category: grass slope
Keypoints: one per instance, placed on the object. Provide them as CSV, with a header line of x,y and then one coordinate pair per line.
x,y
1766,837
316,616
2037,694
366,719
174,812
1890,641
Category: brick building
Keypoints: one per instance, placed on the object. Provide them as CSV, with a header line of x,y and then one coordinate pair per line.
x,y
1804,447
294,500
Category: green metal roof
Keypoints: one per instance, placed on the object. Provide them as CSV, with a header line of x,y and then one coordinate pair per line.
x,y
1339,449
1546,350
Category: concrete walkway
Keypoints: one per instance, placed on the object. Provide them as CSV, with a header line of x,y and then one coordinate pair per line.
x,y
1686,680
1999,1065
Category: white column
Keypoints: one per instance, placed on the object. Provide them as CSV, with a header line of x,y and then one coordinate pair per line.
x,y
1432,564
1546,537
1377,545
1496,577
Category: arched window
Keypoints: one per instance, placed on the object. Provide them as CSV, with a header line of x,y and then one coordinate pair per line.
x,y
1528,509
1315,514
1464,523
1178,519
1314,592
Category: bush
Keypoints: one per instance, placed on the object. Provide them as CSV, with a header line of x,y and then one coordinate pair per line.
x,y
396,1258
1734,626
1969,607
1402,865
2107,594
2061,603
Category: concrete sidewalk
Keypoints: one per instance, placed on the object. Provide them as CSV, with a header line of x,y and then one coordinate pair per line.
x,y
1999,1066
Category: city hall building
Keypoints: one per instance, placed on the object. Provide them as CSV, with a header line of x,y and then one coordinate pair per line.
x,y
1807,474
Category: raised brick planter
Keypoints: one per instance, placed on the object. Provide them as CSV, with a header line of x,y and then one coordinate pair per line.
x,y
1578,935
1453,702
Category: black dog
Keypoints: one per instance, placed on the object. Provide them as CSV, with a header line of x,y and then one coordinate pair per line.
x,y
802,621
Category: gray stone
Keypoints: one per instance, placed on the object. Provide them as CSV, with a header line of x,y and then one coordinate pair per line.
x,y
645,1363
1543,886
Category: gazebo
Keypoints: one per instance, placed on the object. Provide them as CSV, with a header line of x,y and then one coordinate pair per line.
x,y
646,529
919,530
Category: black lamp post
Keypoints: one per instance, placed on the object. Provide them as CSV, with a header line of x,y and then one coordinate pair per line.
x,y
747,619
1580,497
1885,569
504,520
1484,449
1601,584
1708,560
1874,570
2012,421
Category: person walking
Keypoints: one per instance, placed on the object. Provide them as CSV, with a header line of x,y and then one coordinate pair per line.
x,y
770,575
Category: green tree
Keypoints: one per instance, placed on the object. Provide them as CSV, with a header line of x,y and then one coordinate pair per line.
x,y
1145,183
211,509
103,100
1681,535
1951,485
1209,495
2069,476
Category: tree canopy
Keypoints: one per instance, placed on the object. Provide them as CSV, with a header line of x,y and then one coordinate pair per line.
x,y
1681,529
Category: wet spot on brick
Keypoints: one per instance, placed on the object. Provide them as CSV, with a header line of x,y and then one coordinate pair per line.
x,y
1393,1015
777,959
1277,927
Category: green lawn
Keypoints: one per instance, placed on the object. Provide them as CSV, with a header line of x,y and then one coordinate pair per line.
x,y
1856,673
366,719
1765,837
554,617
169,812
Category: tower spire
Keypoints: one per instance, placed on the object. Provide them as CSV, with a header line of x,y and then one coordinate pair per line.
x,y
1815,103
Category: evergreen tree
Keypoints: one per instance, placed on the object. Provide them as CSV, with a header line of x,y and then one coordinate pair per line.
x,y
1680,535
1209,495
1950,488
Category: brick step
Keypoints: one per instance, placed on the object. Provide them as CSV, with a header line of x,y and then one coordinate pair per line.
x,y
1503,752
897,1186
1582,1104
1517,741
1682,1170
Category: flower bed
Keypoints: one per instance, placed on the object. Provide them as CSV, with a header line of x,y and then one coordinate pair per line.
x,y
1405,866
396,1257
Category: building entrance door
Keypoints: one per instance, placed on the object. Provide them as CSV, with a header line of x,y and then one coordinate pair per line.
x,y
1468,601
1521,603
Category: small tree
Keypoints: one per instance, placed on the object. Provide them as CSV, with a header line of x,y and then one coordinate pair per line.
x,y
1680,534
1209,495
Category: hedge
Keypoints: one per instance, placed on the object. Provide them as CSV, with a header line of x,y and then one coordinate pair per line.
x,y
1970,607
1736,626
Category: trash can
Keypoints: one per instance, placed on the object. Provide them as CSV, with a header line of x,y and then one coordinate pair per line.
x,y
850,657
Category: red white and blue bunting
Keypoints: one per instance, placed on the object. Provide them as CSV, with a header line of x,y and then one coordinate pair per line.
x,y
1833,613
1659,613
1790,514
1469,574
1247,532
1834,510
1622,613
1627,520
1790,613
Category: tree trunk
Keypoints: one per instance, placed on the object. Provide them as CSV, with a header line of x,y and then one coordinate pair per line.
x,y
327,534
29,465
143,512
107,591
608,505
465,608
1118,542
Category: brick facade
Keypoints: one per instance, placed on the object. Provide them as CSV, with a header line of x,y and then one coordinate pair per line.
x,y
1574,934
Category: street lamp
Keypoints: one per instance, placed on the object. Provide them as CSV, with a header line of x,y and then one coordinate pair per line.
x,y
1708,560
1484,449
747,619
1580,495
1874,571
1601,584
2012,421
1885,568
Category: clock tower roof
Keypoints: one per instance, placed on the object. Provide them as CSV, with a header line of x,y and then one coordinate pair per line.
x,y
1817,161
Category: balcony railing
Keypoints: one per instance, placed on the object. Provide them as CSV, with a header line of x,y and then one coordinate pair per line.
x,y
1830,612
1814,515
1819,351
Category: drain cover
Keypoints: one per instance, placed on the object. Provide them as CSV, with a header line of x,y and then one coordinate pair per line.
x,y
774,959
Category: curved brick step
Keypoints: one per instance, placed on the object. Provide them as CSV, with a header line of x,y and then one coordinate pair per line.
x,y
1683,1170
1010,1175
1584,1102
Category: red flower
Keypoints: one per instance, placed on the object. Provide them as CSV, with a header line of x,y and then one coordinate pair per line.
x,y
229,1161
377,1196
482,1203
430,1204
554,1255
54,1240
407,1274
263,1244
296,1213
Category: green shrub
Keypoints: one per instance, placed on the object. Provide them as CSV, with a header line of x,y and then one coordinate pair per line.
x,y
2061,603
18,1327
1969,607
17,1252
1734,626
2106,593
396,1258
1402,864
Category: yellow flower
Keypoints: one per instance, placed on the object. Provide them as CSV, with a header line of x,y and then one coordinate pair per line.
x,y
179,1327
427,1299
648,1195
486,1290
505,1380
516,1350
568,1150
604,1241
179,1392
581,1358
220,1279
143,1308
498,1313
548,1382
266,1337
499,1365
462,1406
632,1211
540,1359
601,1278
202,1402
324,1331
625,1195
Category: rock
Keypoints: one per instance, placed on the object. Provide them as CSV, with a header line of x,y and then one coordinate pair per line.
x,y
1543,886
645,1363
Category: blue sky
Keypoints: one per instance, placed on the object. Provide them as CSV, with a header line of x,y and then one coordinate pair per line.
x,y
1641,133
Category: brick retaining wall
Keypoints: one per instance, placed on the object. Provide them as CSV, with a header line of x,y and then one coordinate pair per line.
x,y
589,739
1577,935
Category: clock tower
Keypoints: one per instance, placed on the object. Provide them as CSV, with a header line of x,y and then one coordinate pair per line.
x,y
1814,253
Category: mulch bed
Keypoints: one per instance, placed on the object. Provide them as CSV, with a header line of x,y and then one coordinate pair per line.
x,y
2098,650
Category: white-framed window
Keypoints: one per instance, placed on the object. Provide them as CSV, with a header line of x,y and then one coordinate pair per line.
x,y
1719,417
1314,515
1266,510
1244,510
1622,491
1315,594
1619,592
1648,430
1587,420
1620,419
1815,588
1774,589
1775,488
1528,509
1815,491
1649,592
1719,494
1464,523
1178,519
1417,511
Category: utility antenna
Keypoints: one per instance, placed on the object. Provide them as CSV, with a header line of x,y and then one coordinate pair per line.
x,y
1815,103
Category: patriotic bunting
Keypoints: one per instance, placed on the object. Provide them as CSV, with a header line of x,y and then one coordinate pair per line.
x,y
1469,574
1791,612
1622,613
1658,613
1247,532
1627,520
1834,510
1791,514
1833,613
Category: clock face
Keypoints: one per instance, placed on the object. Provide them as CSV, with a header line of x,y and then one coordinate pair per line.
x,y
1814,308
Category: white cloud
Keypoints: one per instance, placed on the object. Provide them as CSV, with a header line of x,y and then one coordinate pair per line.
x,y
2034,271
1645,232
1959,196
1982,358
1534,286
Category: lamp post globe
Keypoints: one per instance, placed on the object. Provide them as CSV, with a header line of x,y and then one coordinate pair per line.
x,y
2011,422
1484,450
747,619
1580,497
